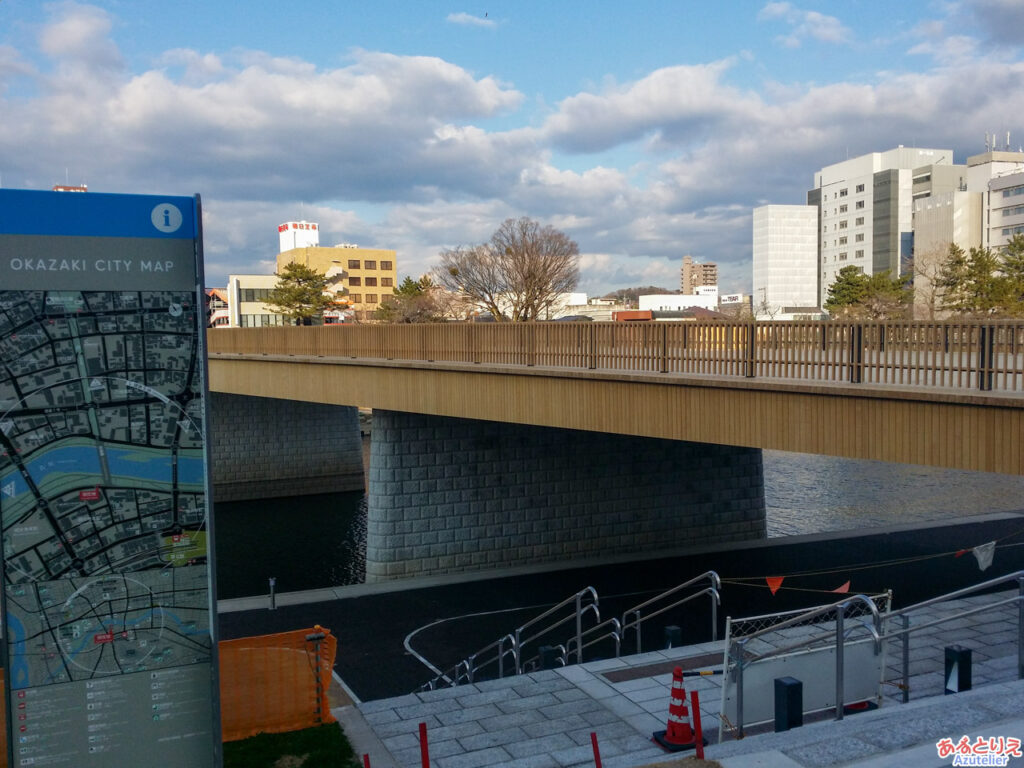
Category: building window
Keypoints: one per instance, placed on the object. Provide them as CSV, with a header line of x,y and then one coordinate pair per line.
x,y
860,204
369,265
859,238
842,256
386,282
356,298
859,222
255,294
1013,231
859,254
386,266
371,281
1013,192
842,192
355,281
842,208
371,298
860,188
842,241
353,263
842,224
1013,211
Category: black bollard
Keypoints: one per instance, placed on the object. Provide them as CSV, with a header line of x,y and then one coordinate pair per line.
x,y
789,703
673,636
958,669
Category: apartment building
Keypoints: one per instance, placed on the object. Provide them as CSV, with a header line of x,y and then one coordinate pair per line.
x,y
694,274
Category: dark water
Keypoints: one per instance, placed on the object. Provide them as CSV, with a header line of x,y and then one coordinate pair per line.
x,y
317,541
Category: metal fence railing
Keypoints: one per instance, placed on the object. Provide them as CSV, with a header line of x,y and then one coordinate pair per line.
x,y
986,356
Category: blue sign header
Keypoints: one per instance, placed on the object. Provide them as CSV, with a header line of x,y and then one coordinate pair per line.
x,y
92,214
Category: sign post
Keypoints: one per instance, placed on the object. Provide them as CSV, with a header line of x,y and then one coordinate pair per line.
x,y
108,595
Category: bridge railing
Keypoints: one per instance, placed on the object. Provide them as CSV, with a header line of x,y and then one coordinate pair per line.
x,y
959,355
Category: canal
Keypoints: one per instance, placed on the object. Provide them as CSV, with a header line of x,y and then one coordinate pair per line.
x,y
318,541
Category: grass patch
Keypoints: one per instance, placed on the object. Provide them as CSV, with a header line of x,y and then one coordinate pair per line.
x,y
324,746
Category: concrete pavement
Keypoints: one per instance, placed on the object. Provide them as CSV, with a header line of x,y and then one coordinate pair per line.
x,y
544,719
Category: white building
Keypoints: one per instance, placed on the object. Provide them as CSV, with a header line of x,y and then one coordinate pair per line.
x,y
298,234
674,302
1005,210
866,210
785,256
246,295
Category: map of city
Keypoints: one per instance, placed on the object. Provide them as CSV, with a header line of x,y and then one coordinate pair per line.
x,y
102,483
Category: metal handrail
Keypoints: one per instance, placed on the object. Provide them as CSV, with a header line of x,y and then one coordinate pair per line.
x,y
580,610
713,590
615,634
904,614
739,659
878,629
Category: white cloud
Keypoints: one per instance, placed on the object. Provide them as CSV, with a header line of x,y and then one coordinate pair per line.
x,y
395,151
468,20
805,24
680,104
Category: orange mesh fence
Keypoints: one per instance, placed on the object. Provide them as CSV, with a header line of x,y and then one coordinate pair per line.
x,y
275,683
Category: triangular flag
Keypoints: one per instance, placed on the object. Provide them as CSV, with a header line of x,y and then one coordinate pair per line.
x,y
844,588
774,582
984,553
961,552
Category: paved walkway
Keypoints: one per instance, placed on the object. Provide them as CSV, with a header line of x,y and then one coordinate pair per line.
x,y
544,719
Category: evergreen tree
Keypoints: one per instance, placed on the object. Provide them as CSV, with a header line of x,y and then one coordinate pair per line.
x,y
414,301
848,290
299,295
874,297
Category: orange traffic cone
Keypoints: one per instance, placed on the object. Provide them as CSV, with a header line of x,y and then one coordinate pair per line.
x,y
679,733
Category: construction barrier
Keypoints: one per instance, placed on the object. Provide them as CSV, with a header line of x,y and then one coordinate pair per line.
x,y
275,683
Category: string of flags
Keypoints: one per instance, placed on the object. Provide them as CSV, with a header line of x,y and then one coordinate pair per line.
x,y
983,553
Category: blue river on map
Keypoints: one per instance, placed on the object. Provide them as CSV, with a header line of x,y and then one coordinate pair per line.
x,y
122,462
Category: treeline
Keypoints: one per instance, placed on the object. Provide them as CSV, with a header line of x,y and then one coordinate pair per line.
x,y
976,283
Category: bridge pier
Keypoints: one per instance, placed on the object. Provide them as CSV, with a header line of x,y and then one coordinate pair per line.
x,y
264,447
449,495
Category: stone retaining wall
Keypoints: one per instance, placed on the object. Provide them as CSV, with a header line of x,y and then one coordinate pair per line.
x,y
457,494
262,448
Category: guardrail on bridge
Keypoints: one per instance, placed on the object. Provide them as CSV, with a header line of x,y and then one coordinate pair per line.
x,y
987,356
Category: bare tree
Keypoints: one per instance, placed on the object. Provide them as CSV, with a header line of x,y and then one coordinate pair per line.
x,y
519,274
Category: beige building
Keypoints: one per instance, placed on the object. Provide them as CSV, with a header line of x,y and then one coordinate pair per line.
x,y
694,275
369,274
246,296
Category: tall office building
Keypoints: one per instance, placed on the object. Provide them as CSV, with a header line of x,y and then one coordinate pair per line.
x,y
866,209
694,274
785,255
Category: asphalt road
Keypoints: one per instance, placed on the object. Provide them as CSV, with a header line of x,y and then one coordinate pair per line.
x,y
371,629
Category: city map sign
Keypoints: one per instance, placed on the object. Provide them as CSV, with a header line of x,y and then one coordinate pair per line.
x,y
108,608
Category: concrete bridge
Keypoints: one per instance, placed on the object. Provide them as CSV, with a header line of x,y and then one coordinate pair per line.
x,y
505,444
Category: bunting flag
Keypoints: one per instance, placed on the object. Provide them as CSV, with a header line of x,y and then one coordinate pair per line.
x,y
774,582
984,554
843,589
961,552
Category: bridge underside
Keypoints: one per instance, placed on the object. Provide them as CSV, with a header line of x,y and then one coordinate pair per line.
x,y
459,494
958,430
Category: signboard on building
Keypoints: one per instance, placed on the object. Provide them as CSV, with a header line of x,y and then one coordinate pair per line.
x,y
107,585
732,298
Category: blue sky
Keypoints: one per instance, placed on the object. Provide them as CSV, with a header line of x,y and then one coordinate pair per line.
x,y
644,130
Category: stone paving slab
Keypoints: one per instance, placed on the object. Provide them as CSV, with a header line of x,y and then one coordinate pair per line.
x,y
544,719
